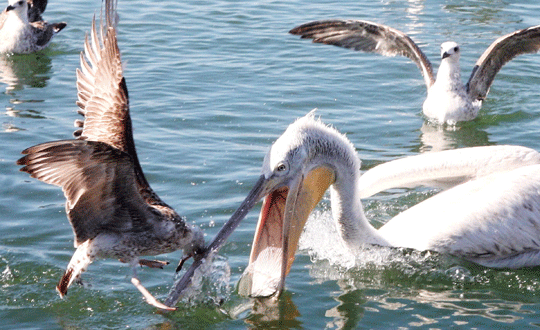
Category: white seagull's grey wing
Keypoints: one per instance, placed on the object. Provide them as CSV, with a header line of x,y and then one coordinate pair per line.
x,y
445,169
44,31
98,182
35,9
500,52
368,37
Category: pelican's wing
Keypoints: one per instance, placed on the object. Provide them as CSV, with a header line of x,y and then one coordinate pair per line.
x,y
368,37
498,54
493,221
98,182
102,91
445,169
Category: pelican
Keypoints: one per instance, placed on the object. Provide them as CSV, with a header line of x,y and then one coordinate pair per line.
x,y
448,100
22,30
489,215
110,205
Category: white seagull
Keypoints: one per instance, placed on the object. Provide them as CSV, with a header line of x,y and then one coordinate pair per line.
x,y
35,9
22,29
492,219
448,100
110,205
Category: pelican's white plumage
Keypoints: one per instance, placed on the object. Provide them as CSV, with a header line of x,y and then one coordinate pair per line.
x,y
492,219
445,169
448,100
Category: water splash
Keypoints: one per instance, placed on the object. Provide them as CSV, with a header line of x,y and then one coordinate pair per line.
x,y
210,283
321,240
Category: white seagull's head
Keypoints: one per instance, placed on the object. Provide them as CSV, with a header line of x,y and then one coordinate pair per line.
x,y
450,50
19,7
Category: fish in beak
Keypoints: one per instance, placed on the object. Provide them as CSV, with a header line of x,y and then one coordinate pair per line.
x,y
283,215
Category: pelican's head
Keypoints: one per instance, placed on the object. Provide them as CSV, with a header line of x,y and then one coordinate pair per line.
x,y
297,170
20,7
450,50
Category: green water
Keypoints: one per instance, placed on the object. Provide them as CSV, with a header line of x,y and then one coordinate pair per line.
x,y
211,85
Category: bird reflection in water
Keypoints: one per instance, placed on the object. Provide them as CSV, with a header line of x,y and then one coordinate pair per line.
x,y
16,72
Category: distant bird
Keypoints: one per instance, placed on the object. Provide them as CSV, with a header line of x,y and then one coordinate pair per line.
x,y
448,100
35,9
22,29
110,205
489,216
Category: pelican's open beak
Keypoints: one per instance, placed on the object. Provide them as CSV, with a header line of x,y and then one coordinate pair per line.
x,y
283,215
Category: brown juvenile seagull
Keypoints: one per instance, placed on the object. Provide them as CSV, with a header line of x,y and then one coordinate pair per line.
x,y
113,210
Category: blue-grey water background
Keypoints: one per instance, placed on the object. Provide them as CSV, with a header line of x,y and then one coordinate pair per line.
x,y
212,84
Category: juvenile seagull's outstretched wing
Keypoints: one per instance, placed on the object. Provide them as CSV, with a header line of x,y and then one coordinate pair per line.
x,y
110,205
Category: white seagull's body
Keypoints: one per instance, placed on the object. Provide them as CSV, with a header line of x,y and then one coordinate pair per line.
x,y
21,29
490,215
448,100
113,210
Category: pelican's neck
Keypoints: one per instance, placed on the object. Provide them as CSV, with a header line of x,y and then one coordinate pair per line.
x,y
449,74
347,210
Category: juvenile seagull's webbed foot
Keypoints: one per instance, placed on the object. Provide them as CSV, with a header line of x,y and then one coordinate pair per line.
x,y
150,299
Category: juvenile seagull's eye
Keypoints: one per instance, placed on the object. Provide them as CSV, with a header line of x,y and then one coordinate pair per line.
x,y
456,49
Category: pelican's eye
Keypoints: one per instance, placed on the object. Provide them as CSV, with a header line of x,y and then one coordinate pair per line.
x,y
456,49
281,167
20,3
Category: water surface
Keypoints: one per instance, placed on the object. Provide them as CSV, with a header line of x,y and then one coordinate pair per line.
x,y
212,84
